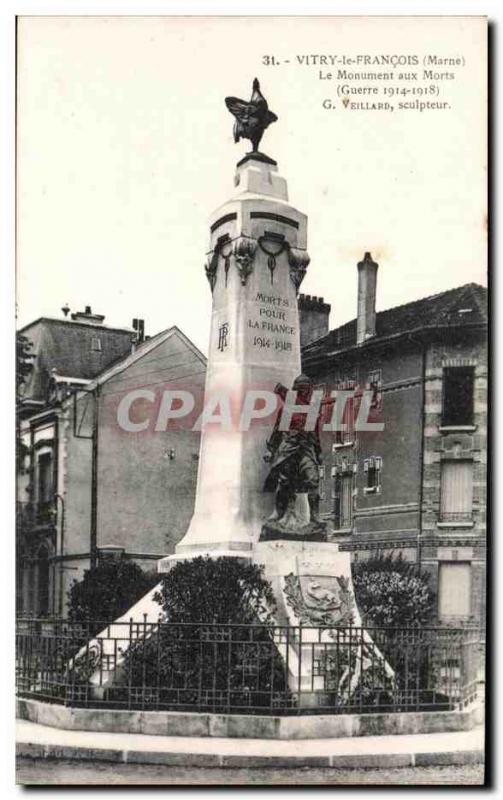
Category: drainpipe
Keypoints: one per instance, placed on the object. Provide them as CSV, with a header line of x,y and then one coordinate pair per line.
x,y
61,552
421,480
93,549
412,338
55,467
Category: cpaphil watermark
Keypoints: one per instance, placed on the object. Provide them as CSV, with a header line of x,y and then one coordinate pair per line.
x,y
145,409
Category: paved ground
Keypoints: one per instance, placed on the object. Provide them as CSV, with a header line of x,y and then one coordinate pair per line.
x,y
65,772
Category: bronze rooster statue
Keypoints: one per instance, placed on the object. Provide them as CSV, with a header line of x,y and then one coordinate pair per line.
x,y
252,117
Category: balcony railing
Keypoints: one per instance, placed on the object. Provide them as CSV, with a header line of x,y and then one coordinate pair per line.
x,y
36,515
344,437
456,516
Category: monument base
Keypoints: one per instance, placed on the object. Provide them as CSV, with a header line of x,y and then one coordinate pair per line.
x,y
311,581
312,532
313,589
167,563
257,156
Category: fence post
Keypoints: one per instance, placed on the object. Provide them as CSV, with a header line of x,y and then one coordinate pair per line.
x,y
299,671
130,661
287,663
158,662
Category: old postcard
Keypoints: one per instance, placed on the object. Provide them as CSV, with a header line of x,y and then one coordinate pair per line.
x,y
252,377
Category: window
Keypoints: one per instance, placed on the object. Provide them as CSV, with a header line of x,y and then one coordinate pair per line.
x,y
457,399
372,469
454,589
30,585
347,435
374,384
456,491
346,383
20,567
44,482
343,499
321,482
44,505
96,344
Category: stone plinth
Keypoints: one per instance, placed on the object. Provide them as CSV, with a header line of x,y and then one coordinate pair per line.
x,y
313,587
293,566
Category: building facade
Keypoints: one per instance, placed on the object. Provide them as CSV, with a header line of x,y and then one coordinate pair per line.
x,y
418,486
87,485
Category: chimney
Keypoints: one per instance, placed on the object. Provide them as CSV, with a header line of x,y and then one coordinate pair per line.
x,y
367,284
88,316
313,317
139,327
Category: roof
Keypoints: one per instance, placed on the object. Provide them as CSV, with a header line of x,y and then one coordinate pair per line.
x,y
464,306
142,350
122,364
67,348
75,322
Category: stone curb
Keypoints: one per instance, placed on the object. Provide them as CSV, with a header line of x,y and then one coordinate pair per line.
x,y
236,726
357,760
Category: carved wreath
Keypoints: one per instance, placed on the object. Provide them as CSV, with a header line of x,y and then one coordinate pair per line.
x,y
244,249
85,664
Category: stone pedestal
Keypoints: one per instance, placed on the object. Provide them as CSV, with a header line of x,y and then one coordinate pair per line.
x,y
311,581
313,587
256,261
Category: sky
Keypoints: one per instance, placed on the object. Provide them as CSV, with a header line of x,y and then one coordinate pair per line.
x,y
125,148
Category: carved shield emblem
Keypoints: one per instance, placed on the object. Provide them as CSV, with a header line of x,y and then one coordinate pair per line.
x,y
320,599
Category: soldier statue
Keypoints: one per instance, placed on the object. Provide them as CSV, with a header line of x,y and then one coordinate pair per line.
x,y
295,459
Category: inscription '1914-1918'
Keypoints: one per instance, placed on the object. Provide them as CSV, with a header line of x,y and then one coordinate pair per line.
x,y
270,318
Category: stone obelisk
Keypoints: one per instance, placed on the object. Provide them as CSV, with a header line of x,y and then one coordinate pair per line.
x,y
256,261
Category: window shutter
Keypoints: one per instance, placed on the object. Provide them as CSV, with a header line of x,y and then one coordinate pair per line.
x,y
456,490
454,589
346,501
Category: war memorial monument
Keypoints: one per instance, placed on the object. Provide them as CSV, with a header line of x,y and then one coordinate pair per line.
x,y
256,496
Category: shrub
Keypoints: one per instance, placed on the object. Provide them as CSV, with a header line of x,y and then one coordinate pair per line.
x,y
221,590
207,663
392,592
107,591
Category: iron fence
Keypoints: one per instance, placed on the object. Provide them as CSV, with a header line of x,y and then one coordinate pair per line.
x,y
260,669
